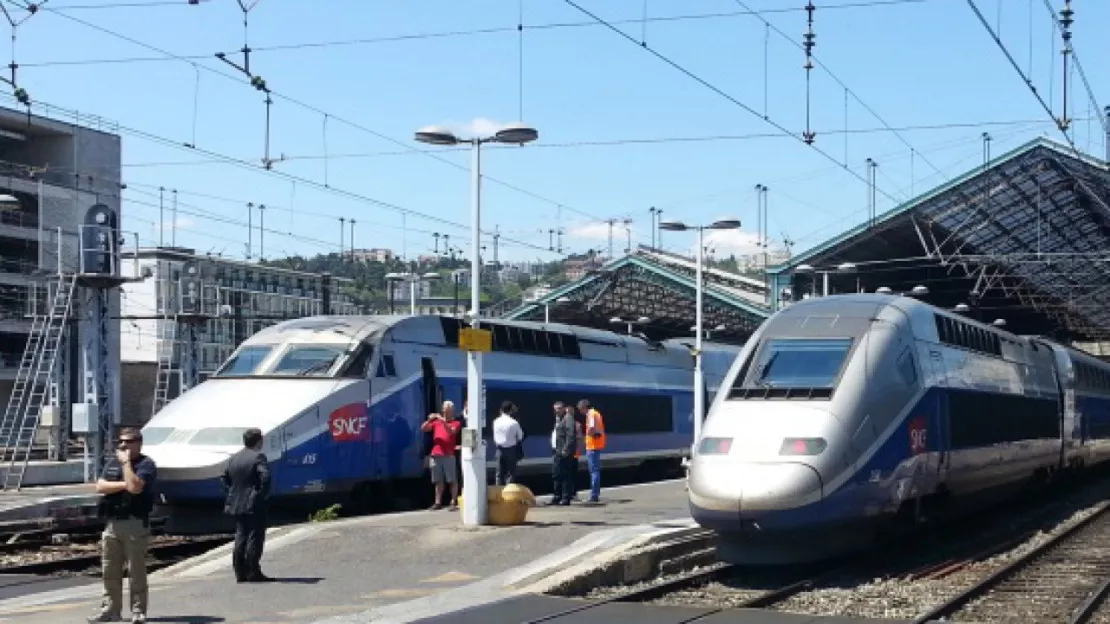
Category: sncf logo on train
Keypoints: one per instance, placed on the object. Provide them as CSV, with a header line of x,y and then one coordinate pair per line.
x,y
349,423
918,435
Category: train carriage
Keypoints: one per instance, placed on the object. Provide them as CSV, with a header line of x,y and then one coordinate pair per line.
x,y
340,400
845,414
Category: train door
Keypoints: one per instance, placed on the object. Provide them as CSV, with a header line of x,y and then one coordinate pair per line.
x,y
302,460
431,396
938,376
432,390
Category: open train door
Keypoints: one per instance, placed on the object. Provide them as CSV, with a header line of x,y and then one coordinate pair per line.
x,y
432,395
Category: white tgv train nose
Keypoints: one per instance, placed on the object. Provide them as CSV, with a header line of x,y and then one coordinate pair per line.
x,y
723,485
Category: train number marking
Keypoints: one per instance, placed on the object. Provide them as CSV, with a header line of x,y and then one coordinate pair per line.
x,y
308,459
919,435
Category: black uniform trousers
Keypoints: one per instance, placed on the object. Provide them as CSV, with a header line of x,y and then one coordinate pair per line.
x,y
250,536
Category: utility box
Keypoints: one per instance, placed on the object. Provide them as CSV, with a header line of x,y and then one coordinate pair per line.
x,y
85,417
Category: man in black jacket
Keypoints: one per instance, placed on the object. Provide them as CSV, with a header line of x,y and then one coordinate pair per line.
x,y
247,479
565,444
126,486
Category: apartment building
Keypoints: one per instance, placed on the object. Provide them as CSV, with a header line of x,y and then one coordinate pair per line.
x,y
52,170
230,300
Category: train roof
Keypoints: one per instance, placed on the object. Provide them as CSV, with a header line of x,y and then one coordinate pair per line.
x,y
364,327
352,327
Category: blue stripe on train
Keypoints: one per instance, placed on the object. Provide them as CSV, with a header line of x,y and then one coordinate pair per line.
x,y
386,443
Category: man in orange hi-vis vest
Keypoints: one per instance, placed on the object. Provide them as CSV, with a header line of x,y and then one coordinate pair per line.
x,y
595,443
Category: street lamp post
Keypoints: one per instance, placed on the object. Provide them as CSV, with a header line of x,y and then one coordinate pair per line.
x,y
413,279
699,374
475,506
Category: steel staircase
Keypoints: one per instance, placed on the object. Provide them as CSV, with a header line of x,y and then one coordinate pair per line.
x,y
32,384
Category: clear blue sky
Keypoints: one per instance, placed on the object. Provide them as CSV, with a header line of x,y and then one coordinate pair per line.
x,y
922,63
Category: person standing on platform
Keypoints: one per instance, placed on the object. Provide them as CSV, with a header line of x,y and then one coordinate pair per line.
x,y
595,443
247,479
445,431
566,440
126,487
508,437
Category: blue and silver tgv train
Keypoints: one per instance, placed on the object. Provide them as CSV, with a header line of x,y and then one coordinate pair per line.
x,y
844,414
340,400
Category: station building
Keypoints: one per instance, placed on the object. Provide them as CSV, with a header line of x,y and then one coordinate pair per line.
x,y
233,301
52,170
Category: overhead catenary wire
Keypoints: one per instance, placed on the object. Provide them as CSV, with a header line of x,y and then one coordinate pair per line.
x,y
290,177
639,141
812,58
1078,66
491,30
317,110
725,95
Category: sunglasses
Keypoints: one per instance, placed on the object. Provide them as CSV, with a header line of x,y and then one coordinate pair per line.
x,y
125,441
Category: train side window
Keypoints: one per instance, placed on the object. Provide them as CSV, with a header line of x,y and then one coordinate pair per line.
x,y
907,367
386,367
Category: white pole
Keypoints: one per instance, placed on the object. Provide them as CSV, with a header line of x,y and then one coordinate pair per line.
x,y
546,313
699,398
412,294
475,506
825,279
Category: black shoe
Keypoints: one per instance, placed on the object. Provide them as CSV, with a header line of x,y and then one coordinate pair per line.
x,y
259,578
565,503
104,617
552,502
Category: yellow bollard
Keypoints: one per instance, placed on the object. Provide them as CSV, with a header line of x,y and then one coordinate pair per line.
x,y
508,505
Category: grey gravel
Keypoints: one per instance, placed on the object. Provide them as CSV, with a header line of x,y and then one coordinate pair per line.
x,y
882,595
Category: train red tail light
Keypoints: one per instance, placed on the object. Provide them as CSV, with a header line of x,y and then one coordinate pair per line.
x,y
802,446
715,446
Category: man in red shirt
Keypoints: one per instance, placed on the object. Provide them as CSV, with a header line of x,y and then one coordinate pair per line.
x,y
445,430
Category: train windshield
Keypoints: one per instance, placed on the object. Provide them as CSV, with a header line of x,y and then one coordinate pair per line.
x,y
797,363
244,362
308,361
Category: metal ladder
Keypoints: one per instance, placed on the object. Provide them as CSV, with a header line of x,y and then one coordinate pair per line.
x,y
168,365
21,419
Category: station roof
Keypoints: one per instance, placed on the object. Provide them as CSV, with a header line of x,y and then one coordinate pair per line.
x,y
1024,238
660,287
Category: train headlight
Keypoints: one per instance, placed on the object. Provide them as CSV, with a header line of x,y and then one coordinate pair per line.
x,y
803,446
714,446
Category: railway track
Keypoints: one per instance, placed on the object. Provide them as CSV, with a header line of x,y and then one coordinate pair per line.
x,y
927,579
159,555
1065,579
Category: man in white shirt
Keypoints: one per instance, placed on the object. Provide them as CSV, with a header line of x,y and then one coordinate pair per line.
x,y
509,439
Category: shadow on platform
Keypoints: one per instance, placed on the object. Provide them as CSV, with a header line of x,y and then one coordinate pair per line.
x,y
292,580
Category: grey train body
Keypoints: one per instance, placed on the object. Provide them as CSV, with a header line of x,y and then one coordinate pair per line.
x,y
846,414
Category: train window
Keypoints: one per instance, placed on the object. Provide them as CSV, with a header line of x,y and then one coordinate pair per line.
x,y
906,367
801,363
356,368
244,362
218,436
308,361
156,435
386,367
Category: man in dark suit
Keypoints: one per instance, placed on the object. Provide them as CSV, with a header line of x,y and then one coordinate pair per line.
x,y
247,479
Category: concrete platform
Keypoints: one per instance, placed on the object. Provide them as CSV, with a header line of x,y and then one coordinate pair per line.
x,y
46,473
391,568
56,501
